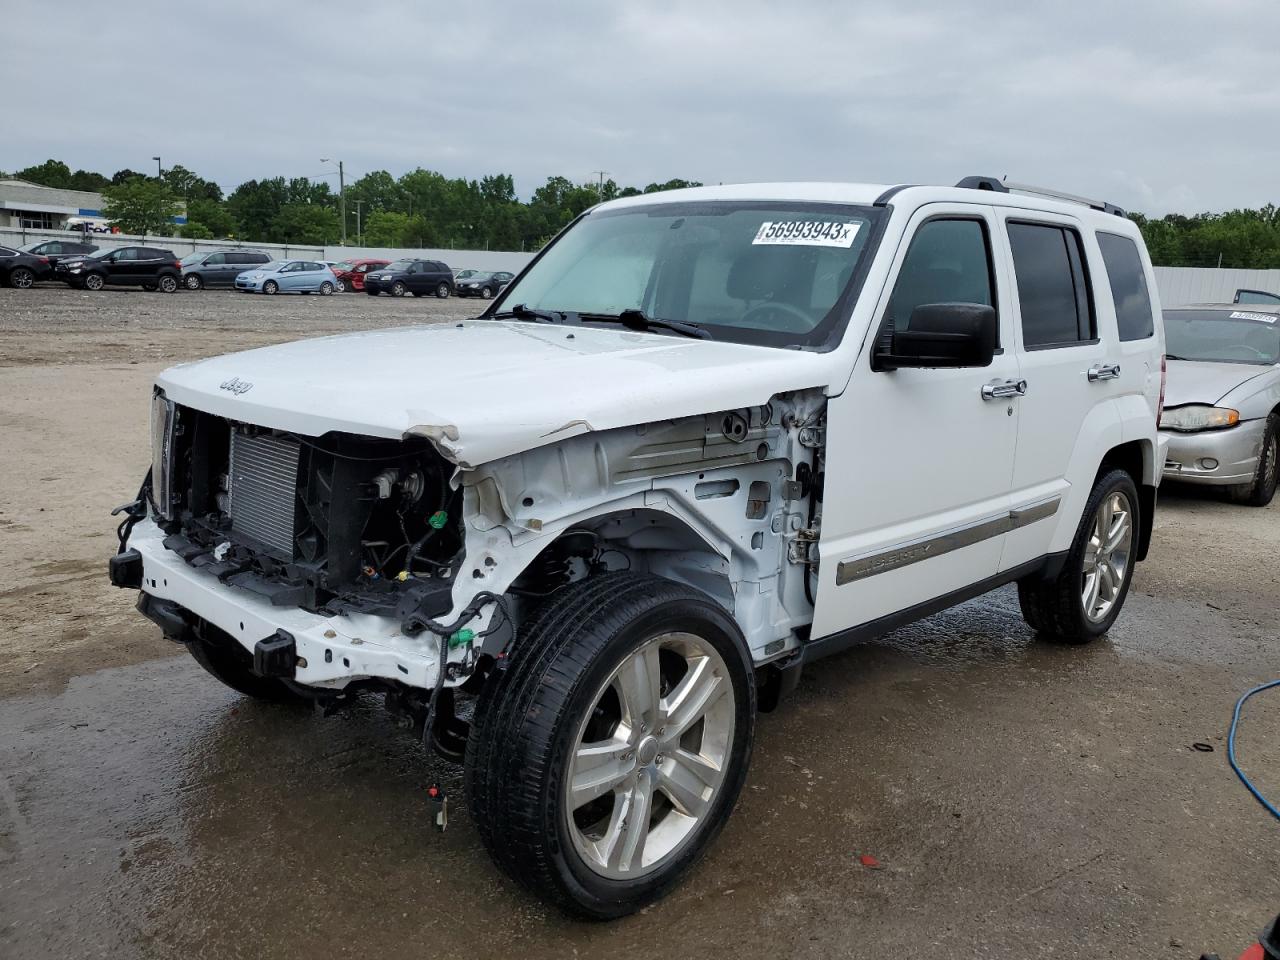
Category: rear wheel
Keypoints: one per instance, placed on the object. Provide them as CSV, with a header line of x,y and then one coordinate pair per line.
x,y
231,663
326,289
93,281
271,287
21,277
167,283
442,290
1263,488
1083,601
608,754
193,281
397,289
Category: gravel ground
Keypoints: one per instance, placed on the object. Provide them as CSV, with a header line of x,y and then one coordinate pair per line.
x,y
1022,800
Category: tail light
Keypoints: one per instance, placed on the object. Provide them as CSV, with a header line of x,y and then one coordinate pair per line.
x,y
178,264
44,260
1164,376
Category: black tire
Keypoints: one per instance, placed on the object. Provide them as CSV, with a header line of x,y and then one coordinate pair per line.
x,y
442,291
167,283
231,663
1262,490
1055,608
93,281
486,293
193,281
21,278
526,722
398,289
326,289
271,288
340,285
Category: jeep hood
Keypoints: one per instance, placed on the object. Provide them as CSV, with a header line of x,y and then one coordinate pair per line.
x,y
485,389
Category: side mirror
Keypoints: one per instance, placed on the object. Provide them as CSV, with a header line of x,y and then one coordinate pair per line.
x,y
941,335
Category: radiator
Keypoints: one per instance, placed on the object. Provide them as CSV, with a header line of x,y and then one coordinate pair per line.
x,y
263,489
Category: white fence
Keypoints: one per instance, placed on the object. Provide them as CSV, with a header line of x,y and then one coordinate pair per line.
x,y
1180,286
457,259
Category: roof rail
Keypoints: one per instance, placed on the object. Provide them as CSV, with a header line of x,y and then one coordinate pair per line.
x,y
1003,186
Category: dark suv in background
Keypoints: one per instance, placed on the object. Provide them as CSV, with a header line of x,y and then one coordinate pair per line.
x,y
220,268
54,252
418,277
150,268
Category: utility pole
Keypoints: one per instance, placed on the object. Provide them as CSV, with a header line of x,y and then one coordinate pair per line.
x,y
600,188
342,199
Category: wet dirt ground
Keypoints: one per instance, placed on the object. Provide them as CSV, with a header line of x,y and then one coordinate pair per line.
x,y
1022,800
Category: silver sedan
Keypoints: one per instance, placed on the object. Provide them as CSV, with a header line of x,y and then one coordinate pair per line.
x,y
1222,399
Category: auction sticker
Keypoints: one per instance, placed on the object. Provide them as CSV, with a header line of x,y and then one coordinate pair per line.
x,y
1260,317
807,233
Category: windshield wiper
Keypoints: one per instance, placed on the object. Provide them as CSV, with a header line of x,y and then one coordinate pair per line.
x,y
1174,356
639,320
522,312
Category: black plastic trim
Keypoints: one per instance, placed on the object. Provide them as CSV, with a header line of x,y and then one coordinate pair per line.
x,y
172,619
884,198
1046,566
276,656
994,184
125,569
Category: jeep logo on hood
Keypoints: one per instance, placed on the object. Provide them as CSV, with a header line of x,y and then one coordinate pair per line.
x,y
236,385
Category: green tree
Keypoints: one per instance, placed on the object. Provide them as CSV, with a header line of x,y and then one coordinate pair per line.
x,y
141,206
51,173
255,204
212,214
307,223
124,176
190,186
386,228
195,230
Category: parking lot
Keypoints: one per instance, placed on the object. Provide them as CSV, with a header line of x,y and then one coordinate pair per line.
x,y
1019,799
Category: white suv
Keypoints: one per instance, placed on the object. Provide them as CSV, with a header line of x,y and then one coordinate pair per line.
x,y
705,438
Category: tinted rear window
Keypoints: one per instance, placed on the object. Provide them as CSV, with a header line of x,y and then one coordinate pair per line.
x,y
1052,285
1128,286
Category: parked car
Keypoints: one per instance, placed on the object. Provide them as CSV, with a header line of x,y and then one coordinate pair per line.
x,y
20,269
351,273
288,276
1257,296
418,277
1222,406
707,438
152,268
54,252
483,283
219,268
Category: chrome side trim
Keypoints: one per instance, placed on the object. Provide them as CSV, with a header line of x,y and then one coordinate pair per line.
x,y
858,568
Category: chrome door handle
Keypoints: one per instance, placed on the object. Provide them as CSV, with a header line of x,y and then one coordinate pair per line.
x,y
1103,371
1004,389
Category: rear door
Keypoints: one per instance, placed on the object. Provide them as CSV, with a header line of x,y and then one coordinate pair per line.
x,y
122,267
1065,346
418,278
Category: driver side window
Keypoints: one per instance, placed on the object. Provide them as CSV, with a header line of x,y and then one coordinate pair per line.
x,y
949,261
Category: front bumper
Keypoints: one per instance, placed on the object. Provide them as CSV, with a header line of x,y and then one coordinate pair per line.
x,y
1223,457
331,651
252,286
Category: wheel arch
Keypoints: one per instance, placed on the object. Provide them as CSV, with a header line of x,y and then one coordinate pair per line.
x,y
1137,458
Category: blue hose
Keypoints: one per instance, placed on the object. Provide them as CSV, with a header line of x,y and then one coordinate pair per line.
x,y
1231,749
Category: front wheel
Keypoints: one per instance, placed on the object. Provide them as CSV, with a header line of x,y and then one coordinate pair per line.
x,y
486,293
607,755
398,289
193,281
271,287
93,281
1083,601
340,285
442,291
1262,489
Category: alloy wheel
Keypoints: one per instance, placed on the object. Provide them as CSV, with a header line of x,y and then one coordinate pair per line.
x,y
22,278
93,282
650,756
193,282
1107,556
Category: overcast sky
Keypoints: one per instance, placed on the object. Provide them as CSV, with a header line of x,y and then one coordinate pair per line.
x,y
1158,106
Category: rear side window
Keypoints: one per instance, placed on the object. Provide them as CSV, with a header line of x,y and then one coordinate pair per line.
x,y
948,262
256,258
1053,287
127,253
1128,286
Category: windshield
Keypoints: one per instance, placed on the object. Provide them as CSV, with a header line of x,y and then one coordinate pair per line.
x,y
466,274
1236,336
344,265
752,271
193,258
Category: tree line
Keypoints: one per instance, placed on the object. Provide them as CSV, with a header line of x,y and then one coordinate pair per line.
x,y
422,208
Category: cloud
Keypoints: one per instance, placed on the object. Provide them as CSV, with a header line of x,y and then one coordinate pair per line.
x,y
1154,105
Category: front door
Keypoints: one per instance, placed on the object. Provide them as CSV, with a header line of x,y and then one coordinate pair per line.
x,y
920,461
